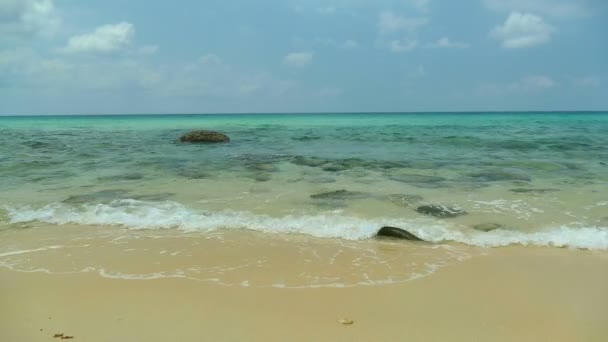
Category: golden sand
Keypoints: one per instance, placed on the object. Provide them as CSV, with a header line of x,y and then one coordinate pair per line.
x,y
502,294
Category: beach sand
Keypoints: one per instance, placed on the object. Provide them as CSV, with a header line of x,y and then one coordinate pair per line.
x,y
502,294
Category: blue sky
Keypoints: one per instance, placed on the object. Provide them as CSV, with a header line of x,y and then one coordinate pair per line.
x,y
121,57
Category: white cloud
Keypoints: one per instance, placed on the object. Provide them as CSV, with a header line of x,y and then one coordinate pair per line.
x,y
589,81
349,44
392,28
522,30
445,42
552,8
397,45
106,38
389,22
298,59
29,16
25,69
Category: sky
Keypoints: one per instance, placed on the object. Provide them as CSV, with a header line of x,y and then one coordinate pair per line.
x,y
212,56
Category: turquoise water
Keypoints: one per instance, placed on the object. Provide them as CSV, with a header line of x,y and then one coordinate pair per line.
x,y
541,178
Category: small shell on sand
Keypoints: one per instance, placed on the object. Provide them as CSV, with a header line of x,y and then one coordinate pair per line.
x,y
346,321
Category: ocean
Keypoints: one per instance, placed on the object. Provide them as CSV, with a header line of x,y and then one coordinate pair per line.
x,y
532,179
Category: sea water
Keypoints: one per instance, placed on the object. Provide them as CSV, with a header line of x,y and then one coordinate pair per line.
x,y
533,179
541,178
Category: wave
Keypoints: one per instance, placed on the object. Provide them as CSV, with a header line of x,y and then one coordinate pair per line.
x,y
137,214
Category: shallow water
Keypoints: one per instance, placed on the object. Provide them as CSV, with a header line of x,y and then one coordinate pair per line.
x,y
542,178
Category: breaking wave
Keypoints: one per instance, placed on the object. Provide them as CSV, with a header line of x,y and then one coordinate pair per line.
x,y
136,214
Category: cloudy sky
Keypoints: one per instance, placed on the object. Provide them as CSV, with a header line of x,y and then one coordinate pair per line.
x,y
210,56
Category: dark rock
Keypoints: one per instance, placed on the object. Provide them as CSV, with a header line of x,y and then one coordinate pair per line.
x,y
353,162
533,191
36,144
102,196
430,185
334,167
193,174
204,137
307,138
265,167
163,196
404,200
125,176
398,233
440,211
262,177
340,195
603,163
414,178
502,175
321,180
486,227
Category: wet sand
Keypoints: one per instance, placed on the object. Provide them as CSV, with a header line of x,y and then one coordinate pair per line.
x,y
502,294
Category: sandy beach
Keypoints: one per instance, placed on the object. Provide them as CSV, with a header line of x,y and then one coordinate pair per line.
x,y
502,294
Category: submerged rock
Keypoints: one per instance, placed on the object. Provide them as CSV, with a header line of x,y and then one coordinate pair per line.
x,y
307,137
204,136
193,174
420,181
332,167
398,233
502,175
262,177
321,180
102,196
441,211
486,227
534,191
265,167
162,196
339,195
415,178
353,162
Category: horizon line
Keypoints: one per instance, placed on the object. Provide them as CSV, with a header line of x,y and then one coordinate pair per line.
x,y
317,113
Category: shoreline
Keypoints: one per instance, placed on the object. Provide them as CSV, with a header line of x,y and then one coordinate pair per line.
x,y
504,294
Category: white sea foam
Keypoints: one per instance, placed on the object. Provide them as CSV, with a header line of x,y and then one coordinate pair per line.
x,y
165,215
25,251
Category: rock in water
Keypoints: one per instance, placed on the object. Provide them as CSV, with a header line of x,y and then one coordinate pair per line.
x,y
487,227
204,137
398,233
533,191
262,177
340,195
440,211
509,174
